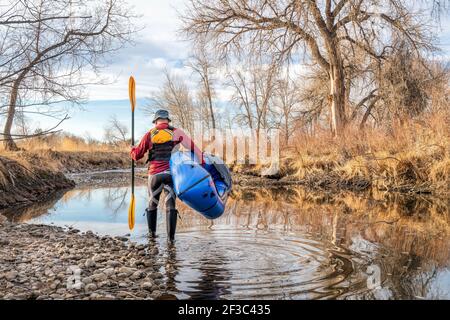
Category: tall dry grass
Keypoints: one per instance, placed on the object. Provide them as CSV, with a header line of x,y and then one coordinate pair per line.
x,y
413,157
69,143
69,153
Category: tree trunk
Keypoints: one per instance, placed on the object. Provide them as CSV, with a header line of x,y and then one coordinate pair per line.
x,y
9,143
367,114
286,128
211,110
337,94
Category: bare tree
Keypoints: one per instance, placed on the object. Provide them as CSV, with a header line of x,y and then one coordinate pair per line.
x,y
50,44
286,105
116,133
253,88
174,96
329,33
202,65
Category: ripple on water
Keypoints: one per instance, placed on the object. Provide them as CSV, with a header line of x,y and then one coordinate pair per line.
x,y
255,264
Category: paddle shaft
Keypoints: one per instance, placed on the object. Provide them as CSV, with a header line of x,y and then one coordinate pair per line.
x,y
132,143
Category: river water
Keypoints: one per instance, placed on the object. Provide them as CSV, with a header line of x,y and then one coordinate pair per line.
x,y
284,243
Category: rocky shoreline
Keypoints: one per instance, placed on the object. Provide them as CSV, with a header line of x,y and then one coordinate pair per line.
x,y
39,262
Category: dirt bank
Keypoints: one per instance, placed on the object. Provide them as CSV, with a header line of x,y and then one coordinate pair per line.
x,y
29,177
79,161
22,182
45,262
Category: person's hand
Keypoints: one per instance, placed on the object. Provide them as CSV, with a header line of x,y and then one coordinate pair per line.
x,y
132,152
202,163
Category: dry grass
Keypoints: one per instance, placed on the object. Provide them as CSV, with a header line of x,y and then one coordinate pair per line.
x,y
68,153
414,157
69,143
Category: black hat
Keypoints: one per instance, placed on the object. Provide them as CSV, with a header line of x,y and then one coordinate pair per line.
x,y
161,114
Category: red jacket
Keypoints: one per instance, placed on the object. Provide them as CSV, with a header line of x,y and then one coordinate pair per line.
x,y
145,145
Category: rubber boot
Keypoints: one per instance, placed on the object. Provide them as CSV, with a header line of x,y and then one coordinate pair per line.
x,y
151,221
171,221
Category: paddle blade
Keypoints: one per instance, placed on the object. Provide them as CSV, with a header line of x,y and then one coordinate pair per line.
x,y
132,92
131,210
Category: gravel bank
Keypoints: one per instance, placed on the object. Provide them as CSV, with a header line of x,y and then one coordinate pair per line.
x,y
50,263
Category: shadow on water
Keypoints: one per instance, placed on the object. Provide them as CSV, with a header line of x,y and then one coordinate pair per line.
x,y
287,243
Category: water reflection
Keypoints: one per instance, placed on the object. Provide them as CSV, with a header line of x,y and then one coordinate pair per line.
x,y
282,243
211,277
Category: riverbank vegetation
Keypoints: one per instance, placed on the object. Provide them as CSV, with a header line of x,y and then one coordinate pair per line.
x,y
412,157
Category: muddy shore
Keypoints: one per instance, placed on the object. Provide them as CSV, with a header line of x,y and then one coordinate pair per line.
x,y
46,262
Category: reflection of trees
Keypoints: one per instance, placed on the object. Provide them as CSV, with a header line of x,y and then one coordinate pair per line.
x,y
116,199
413,276
406,227
84,195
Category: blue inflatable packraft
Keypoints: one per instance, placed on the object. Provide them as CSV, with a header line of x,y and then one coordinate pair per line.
x,y
204,189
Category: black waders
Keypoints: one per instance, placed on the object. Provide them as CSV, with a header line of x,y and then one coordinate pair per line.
x,y
151,221
171,222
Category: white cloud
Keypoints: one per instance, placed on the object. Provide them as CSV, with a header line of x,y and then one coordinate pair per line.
x,y
156,47
157,63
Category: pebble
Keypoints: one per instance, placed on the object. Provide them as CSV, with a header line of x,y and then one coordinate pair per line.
x,y
55,263
90,287
113,263
11,275
146,285
136,275
126,270
87,280
156,294
148,263
156,275
3,220
99,277
89,263
109,272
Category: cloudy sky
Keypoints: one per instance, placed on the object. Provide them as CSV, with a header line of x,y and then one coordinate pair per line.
x,y
157,46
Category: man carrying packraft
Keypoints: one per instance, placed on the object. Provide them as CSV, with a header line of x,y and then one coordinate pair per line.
x,y
160,142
